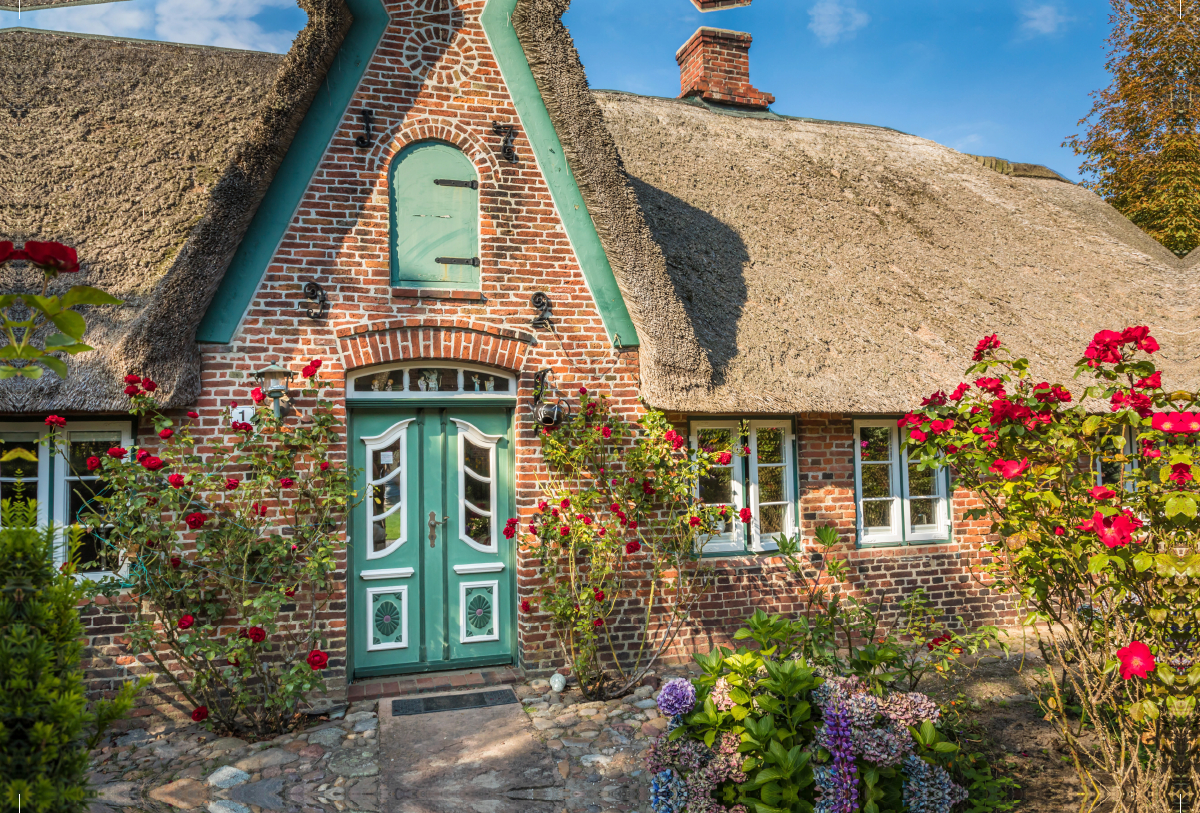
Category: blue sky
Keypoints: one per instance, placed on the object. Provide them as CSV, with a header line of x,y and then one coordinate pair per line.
x,y
997,77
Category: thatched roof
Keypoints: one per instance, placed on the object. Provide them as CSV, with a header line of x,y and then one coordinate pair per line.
x,y
775,264
150,158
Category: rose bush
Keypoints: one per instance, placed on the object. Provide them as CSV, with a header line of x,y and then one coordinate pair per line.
x,y
235,568
1094,501
25,317
619,536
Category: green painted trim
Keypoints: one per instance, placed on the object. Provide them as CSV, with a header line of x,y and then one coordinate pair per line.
x,y
435,666
543,139
428,403
270,222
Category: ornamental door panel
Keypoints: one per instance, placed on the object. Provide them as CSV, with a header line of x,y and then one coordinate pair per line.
x,y
432,573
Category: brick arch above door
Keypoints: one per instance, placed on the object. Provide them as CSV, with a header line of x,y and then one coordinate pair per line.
x,y
419,339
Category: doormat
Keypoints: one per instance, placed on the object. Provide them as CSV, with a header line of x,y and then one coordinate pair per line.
x,y
452,702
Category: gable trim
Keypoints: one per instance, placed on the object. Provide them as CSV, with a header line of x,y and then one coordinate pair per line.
x,y
551,160
295,173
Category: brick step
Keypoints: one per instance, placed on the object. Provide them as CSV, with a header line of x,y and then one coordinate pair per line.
x,y
400,685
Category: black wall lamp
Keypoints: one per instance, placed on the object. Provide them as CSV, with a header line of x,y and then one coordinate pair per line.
x,y
544,412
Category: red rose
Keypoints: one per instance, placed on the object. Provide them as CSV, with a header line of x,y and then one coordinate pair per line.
x,y
647,489
1105,348
148,385
166,434
564,530
509,531
1136,660
938,641
632,547
256,634
693,521
1139,336
585,520
1009,469
133,379
132,390
286,482
231,483
532,529
256,395
54,257
525,605
54,420
200,714
117,452
193,415
324,466
599,622
1150,450
9,252
959,392
186,622
1101,493
1059,530
599,595
745,515
985,344
175,562
917,435
723,458
152,463
290,593
195,521
317,659
242,426
992,386
1150,382
1115,531
606,432
176,480
93,463
141,455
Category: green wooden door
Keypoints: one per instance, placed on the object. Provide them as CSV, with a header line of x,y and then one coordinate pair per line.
x,y
435,217
432,573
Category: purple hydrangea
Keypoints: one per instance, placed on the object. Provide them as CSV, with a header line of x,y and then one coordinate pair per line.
x,y
678,696
682,754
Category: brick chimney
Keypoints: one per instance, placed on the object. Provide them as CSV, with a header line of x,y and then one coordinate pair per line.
x,y
715,65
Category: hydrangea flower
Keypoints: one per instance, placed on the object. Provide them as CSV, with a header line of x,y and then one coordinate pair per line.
x,y
683,754
908,709
884,745
720,695
723,766
928,789
668,793
678,696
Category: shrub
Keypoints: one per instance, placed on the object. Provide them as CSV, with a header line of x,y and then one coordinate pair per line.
x,y
236,617
46,729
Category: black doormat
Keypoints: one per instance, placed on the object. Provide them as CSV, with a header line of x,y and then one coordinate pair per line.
x,y
452,702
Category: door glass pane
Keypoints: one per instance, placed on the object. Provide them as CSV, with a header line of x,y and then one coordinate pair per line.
x,y
923,513
478,494
922,483
482,382
875,443
432,379
770,484
385,461
386,531
877,514
716,488
380,382
479,527
770,519
877,481
477,458
93,554
385,497
715,440
769,445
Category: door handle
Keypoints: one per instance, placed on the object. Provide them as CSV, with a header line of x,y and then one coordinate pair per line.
x,y
433,523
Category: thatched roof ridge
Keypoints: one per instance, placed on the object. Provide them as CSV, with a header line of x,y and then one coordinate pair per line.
x,y
777,264
160,154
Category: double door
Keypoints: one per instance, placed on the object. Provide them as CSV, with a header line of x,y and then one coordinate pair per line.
x,y
432,572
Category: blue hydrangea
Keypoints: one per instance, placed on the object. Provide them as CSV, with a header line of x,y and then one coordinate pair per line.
x,y
668,792
928,788
674,723
678,696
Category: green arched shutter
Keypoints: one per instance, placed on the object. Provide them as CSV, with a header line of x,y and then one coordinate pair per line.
x,y
435,218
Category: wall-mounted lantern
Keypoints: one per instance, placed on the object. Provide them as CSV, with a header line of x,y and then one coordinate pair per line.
x,y
544,412
275,381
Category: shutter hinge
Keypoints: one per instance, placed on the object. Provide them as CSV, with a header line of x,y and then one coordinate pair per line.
x,y
457,261
448,182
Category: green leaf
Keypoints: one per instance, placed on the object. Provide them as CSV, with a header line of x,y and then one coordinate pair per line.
x,y
32,371
1092,424
1098,562
57,365
739,713
1181,504
1143,560
87,295
945,747
70,323
739,696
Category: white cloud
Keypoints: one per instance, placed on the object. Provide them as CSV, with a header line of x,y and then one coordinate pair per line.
x,y
116,20
834,20
1042,20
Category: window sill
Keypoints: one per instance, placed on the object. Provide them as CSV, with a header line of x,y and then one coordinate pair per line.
x,y
916,543
438,293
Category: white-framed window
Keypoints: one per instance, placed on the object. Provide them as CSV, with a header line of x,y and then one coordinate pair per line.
x,y
75,488
387,489
33,477
897,503
429,379
477,488
763,480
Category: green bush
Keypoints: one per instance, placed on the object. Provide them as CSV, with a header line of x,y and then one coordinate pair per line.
x,y
46,729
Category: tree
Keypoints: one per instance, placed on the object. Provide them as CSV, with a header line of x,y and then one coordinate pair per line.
x,y
1142,147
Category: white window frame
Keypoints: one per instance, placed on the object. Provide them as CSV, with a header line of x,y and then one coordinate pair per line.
x,y
757,543
43,478
403,394
397,431
62,474
490,443
735,541
901,513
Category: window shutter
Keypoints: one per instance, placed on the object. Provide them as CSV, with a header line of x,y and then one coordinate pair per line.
x,y
435,218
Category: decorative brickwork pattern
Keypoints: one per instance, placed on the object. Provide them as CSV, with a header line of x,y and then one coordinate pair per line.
x,y
714,64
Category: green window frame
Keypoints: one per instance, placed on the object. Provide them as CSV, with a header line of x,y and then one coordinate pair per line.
x,y
433,190
896,504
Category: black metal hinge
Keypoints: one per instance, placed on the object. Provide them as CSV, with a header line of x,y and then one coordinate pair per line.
x,y
465,184
457,261
510,134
